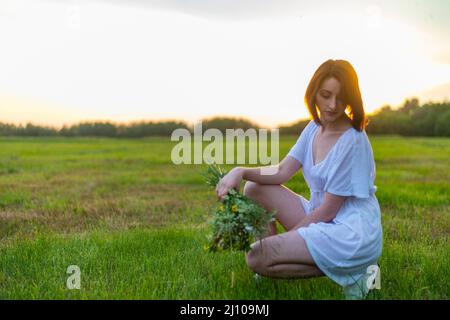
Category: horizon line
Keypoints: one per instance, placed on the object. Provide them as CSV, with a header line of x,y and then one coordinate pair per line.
x,y
190,123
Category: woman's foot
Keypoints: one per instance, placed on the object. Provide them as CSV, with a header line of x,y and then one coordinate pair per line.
x,y
358,290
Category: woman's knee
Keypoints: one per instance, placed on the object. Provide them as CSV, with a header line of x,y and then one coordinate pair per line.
x,y
254,260
252,263
251,189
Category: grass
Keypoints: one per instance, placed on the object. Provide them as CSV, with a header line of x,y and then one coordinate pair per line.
x,y
136,224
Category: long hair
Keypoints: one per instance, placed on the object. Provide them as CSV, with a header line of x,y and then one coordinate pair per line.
x,y
344,72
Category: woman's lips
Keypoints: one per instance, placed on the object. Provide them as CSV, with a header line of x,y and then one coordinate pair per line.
x,y
330,113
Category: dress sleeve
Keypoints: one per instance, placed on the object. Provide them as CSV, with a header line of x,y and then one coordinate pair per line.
x,y
352,172
298,151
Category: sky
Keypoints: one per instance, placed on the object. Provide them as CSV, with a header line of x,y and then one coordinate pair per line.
x,y
66,61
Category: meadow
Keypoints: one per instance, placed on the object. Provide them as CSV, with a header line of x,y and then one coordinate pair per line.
x,y
136,224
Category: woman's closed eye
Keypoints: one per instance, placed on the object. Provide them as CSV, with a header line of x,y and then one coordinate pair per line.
x,y
339,101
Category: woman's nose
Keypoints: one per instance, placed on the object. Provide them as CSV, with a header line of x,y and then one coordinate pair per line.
x,y
332,105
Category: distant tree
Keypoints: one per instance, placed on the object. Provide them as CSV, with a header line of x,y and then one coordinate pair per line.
x,y
148,128
7,129
425,117
442,126
295,128
410,106
94,129
31,130
411,119
223,123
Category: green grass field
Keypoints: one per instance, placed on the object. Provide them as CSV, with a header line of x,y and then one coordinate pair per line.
x,y
136,224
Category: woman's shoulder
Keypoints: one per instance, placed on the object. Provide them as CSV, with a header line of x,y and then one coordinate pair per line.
x,y
308,128
351,140
311,124
357,135
356,142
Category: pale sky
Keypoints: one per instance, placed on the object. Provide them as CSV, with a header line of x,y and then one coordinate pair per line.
x,y
63,62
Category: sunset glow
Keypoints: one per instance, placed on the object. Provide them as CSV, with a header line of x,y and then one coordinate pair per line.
x,y
66,61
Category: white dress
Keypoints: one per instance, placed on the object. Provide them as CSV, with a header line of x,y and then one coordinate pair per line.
x,y
345,247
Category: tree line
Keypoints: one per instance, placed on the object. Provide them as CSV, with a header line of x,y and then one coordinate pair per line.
x,y
411,119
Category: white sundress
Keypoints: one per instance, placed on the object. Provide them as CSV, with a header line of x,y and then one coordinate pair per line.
x,y
344,247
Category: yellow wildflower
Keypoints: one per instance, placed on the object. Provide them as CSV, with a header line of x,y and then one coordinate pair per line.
x,y
234,208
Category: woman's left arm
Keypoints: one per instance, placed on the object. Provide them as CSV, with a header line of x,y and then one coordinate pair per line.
x,y
326,212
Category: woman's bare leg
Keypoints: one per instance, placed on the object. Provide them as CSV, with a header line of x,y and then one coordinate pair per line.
x,y
294,270
289,211
282,256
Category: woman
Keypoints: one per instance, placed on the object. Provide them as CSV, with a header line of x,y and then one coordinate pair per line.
x,y
337,232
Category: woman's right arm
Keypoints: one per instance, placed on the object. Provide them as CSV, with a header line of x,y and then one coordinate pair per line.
x,y
277,174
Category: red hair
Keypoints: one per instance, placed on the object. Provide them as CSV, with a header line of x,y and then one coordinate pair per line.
x,y
343,72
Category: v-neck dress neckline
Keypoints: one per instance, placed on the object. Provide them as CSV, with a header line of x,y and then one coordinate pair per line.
x,y
314,134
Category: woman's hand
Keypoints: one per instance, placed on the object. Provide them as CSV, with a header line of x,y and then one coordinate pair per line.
x,y
231,180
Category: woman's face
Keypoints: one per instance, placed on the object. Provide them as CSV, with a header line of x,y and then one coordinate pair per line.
x,y
330,104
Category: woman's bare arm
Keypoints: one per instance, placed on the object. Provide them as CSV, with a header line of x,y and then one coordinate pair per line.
x,y
277,174
325,213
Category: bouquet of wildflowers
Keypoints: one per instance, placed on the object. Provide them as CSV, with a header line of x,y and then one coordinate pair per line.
x,y
237,221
